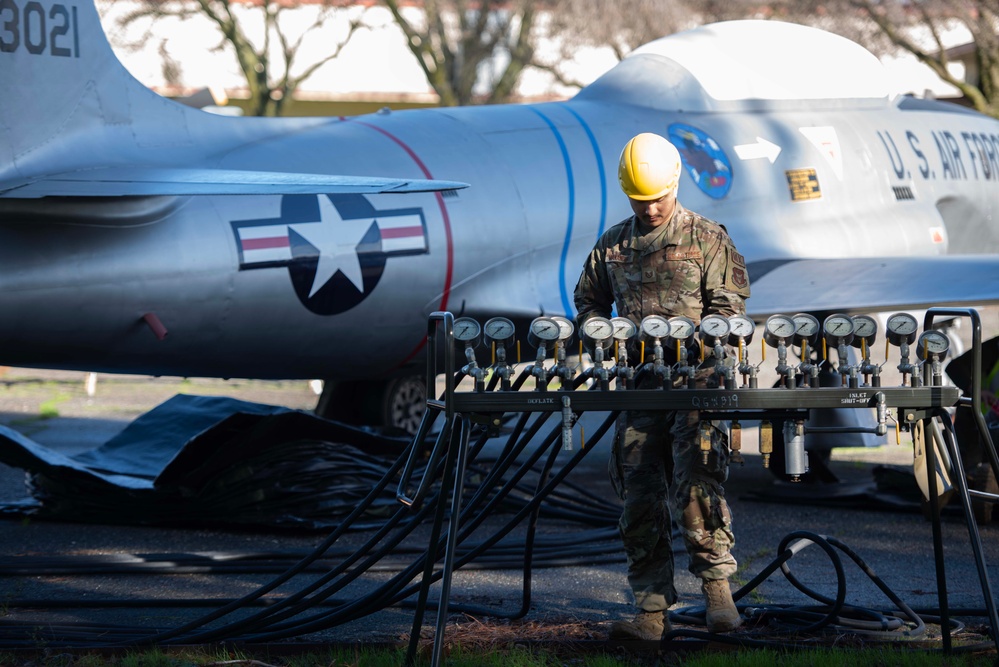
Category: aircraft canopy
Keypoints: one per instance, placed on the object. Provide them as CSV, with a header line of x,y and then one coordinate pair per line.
x,y
745,60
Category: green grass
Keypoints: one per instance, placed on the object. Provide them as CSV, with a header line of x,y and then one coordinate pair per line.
x,y
564,656
49,409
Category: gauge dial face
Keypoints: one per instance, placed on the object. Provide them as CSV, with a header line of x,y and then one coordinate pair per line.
x,y
598,328
742,327
565,327
901,328
545,329
466,329
933,342
499,329
806,327
865,328
655,326
778,327
681,328
838,328
623,328
715,327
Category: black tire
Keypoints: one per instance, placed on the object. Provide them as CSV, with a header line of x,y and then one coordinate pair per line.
x,y
404,402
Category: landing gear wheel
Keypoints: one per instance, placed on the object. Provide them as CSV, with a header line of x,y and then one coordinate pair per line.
x,y
405,402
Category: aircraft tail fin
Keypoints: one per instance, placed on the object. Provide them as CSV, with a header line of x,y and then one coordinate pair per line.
x,y
67,99
74,122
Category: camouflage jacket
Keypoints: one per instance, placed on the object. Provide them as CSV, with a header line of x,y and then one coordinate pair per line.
x,y
688,266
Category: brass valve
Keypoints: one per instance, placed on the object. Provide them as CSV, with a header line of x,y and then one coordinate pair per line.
x,y
766,441
706,429
735,442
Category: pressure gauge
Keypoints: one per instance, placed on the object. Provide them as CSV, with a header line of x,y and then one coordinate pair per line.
x,y
742,327
838,329
681,328
865,329
777,329
565,328
498,330
467,331
543,331
932,343
901,328
806,328
624,328
655,326
715,329
599,330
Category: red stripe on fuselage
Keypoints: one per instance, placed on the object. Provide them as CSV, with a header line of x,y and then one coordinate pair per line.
x,y
264,243
401,232
444,216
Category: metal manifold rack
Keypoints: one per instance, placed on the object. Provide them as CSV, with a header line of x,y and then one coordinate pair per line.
x,y
685,366
701,367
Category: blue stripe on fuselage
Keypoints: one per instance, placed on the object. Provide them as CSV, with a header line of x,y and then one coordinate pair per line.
x,y
600,167
563,288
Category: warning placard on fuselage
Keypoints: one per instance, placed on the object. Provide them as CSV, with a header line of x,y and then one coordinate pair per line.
x,y
803,184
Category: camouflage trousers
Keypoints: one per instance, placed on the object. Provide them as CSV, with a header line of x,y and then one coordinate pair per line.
x,y
656,469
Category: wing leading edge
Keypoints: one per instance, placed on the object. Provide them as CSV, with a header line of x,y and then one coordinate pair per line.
x,y
133,182
872,284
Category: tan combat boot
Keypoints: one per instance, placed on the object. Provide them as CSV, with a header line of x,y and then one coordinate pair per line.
x,y
721,616
647,625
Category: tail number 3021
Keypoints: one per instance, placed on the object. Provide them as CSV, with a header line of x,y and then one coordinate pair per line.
x,y
39,31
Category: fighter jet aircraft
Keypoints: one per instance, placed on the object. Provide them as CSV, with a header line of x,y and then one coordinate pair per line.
x,y
138,235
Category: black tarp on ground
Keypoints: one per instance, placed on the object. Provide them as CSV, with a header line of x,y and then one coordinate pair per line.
x,y
211,461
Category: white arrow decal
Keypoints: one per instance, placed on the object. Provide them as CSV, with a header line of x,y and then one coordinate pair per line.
x,y
762,148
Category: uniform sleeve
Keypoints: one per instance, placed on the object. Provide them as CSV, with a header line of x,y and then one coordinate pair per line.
x,y
593,296
726,280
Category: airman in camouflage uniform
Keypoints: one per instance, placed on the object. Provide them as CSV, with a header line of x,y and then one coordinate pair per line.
x,y
666,260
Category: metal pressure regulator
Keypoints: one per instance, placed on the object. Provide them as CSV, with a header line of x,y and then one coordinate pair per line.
x,y
468,335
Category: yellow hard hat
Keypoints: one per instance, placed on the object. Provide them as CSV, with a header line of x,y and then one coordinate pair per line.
x,y
649,167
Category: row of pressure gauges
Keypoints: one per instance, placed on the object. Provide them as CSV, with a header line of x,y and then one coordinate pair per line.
x,y
713,328
800,329
550,330
499,330
857,330
603,332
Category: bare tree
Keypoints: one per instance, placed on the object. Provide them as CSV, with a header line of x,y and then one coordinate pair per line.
x,y
471,52
901,21
270,83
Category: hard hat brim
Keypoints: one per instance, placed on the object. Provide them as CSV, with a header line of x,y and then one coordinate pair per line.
x,y
652,197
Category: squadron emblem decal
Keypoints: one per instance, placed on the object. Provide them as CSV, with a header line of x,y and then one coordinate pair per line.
x,y
335,246
703,159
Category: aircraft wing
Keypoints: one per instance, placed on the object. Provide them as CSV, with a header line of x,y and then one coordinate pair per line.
x,y
868,284
143,181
